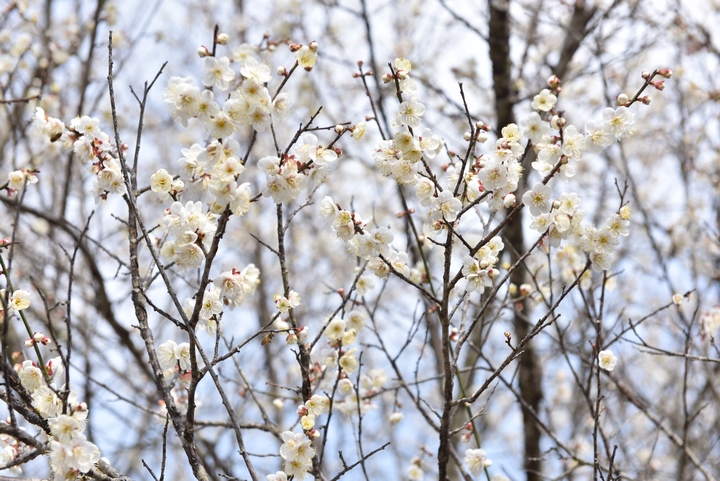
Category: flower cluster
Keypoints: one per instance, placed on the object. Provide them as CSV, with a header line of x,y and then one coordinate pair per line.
x,y
249,103
88,144
479,270
297,452
171,354
190,228
236,286
493,176
70,452
215,168
373,245
306,167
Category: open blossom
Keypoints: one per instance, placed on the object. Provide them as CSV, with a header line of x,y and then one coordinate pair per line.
x,y
284,304
161,181
348,361
619,121
169,353
410,113
19,300
259,72
445,206
306,57
18,178
544,101
218,73
476,461
607,360
538,199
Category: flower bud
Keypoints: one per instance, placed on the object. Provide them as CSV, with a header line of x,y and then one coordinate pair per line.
x,y
525,289
621,100
401,75
645,99
29,342
339,129
38,336
396,417
659,84
557,123
481,137
302,410
665,72
645,75
553,81
556,204
203,52
222,38
387,78
467,136
313,46
512,289
314,434
282,71
278,403
509,201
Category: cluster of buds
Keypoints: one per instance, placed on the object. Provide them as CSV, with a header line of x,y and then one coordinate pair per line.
x,y
467,435
454,334
361,73
38,338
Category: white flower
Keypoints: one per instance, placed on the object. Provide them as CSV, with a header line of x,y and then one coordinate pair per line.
x,y
166,355
415,473
306,57
607,360
335,329
348,361
317,404
218,73
161,181
410,113
534,127
544,101
19,300
619,121
598,136
475,460
259,72
494,174
445,206
538,199
31,376
66,428
296,446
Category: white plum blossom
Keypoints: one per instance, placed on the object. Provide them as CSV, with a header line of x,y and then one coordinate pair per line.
x,y
544,101
306,57
619,121
445,206
538,199
476,461
218,73
607,360
410,113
